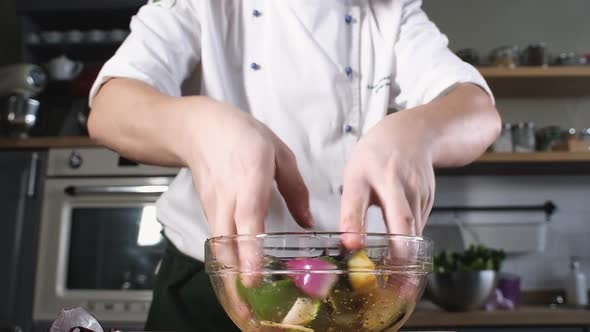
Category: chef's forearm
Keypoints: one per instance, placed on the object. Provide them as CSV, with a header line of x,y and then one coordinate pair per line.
x,y
141,123
464,124
453,130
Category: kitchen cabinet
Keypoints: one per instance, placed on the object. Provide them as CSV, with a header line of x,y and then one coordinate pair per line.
x,y
20,202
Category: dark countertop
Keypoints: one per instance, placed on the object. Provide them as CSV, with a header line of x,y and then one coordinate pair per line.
x,y
47,142
527,315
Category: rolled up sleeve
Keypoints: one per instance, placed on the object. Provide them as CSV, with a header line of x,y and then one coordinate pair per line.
x,y
425,67
162,49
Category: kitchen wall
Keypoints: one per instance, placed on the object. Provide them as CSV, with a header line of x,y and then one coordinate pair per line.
x,y
568,231
9,33
563,25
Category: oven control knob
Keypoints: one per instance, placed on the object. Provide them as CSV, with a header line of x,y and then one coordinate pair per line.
x,y
75,160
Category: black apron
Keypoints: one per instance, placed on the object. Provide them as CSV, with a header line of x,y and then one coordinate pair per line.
x,y
184,299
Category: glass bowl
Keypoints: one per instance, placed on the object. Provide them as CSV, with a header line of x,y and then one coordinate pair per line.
x,y
310,282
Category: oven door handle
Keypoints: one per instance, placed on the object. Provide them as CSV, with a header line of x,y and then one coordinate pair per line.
x,y
115,190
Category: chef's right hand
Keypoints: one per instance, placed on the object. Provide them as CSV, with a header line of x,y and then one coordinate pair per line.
x,y
235,160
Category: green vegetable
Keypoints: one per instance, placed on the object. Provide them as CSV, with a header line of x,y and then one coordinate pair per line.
x,y
475,258
270,300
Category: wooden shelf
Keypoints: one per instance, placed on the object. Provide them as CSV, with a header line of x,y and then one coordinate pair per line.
x,y
533,163
535,157
566,81
46,143
524,316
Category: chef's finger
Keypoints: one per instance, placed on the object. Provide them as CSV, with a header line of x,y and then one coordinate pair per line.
x,y
399,220
226,253
292,187
354,203
222,224
251,210
399,217
428,204
415,200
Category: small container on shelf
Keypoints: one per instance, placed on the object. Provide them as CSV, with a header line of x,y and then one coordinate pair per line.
x,y
576,288
524,137
535,55
505,56
504,143
577,141
550,139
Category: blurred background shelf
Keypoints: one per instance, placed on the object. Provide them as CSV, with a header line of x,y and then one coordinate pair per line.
x,y
566,81
532,163
535,157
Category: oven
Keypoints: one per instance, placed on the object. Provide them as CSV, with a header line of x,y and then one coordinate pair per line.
x,y
100,243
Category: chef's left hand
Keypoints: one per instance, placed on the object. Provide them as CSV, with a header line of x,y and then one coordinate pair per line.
x,y
391,167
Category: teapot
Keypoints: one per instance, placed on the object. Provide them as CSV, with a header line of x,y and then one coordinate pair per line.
x,y
63,69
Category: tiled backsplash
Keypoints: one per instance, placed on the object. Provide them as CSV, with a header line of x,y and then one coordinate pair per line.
x,y
568,232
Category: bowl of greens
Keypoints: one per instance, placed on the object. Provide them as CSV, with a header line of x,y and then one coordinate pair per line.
x,y
464,281
310,282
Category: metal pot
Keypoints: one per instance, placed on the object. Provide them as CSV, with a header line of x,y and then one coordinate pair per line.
x,y
461,291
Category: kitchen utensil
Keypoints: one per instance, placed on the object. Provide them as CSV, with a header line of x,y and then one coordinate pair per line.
x,y
310,282
21,115
75,319
505,56
18,85
64,69
461,291
25,79
535,55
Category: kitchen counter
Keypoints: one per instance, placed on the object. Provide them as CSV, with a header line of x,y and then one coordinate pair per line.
x,y
47,142
529,316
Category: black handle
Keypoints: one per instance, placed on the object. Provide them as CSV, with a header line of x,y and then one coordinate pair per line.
x,y
32,181
549,208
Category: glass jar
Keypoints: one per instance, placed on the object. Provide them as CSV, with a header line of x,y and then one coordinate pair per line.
x,y
504,143
524,137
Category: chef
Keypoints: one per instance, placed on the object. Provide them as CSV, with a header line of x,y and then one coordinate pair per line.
x,y
285,115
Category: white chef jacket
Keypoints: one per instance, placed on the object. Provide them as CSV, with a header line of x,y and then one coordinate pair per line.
x,y
319,73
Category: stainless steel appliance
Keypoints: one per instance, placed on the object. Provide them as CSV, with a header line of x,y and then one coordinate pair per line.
x,y
19,84
100,243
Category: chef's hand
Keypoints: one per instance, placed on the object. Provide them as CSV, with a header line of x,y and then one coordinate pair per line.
x,y
235,161
392,166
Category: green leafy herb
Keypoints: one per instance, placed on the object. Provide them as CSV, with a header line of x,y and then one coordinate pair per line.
x,y
475,258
